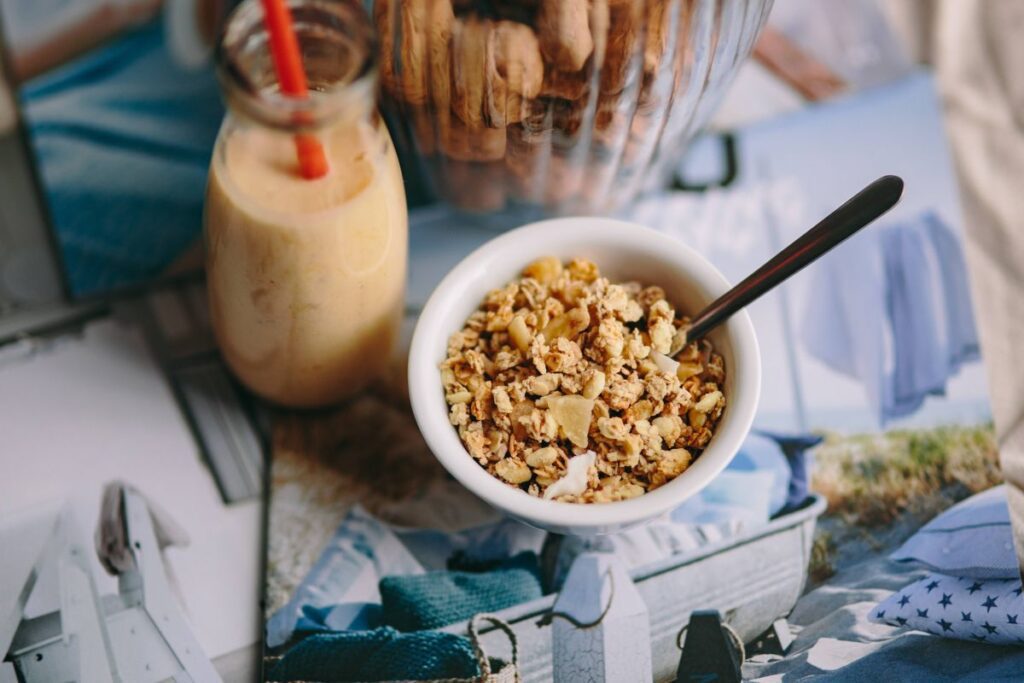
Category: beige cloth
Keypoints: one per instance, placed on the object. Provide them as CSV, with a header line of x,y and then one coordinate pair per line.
x,y
977,51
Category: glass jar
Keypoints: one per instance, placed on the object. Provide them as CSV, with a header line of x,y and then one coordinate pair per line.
x,y
306,278
531,107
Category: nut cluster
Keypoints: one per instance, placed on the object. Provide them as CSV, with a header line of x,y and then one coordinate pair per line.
x,y
564,364
498,89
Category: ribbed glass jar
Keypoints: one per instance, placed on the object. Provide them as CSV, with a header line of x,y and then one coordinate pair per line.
x,y
531,107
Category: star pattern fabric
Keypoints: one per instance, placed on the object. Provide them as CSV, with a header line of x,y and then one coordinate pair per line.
x,y
964,608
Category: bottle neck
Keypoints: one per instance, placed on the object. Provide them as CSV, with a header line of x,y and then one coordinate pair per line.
x,y
338,50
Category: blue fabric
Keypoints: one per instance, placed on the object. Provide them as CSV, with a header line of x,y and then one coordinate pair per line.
x,y
346,616
893,310
973,538
740,499
383,654
340,593
345,576
961,332
984,611
769,474
920,359
436,549
843,323
762,453
123,138
797,450
440,598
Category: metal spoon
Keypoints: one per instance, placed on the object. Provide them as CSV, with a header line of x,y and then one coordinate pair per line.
x,y
858,211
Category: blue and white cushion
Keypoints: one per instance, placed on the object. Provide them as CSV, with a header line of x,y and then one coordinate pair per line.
x,y
973,538
964,608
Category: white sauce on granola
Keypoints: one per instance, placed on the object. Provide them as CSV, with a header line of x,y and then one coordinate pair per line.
x,y
577,472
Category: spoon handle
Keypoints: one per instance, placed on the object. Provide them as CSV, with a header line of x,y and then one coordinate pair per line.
x,y
860,210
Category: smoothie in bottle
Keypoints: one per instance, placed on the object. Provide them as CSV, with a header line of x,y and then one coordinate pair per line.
x,y
306,277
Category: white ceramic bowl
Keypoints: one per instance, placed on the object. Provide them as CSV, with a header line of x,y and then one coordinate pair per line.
x,y
623,251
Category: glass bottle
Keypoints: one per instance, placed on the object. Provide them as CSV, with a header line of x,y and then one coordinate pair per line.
x,y
305,278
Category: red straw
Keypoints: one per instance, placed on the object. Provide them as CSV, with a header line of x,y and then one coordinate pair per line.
x,y
284,49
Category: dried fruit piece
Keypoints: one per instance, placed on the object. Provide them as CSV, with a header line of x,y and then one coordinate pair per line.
x,y
458,416
612,428
690,353
609,341
622,490
459,397
674,462
583,269
519,332
513,471
632,447
573,415
708,402
632,312
541,426
669,427
541,385
563,356
520,417
661,332
568,325
593,383
544,270
641,410
650,295
621,393
501,400
688,369
542,457
635,347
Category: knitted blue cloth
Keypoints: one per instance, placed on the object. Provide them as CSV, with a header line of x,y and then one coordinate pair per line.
x,y
383,654
440,598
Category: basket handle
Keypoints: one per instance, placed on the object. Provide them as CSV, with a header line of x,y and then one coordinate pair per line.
x,y
481,656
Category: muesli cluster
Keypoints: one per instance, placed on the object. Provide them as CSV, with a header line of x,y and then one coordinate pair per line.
x,y
571,387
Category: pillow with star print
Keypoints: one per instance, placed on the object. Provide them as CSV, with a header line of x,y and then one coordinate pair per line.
x,y
965,608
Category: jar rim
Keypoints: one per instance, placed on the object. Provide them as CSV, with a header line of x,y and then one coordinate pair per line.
x,y
353,88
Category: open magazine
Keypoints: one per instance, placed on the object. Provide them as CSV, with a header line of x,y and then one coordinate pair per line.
x,y
123,91
870,359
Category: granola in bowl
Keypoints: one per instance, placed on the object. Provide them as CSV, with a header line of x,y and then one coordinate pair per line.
x,y
574,388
